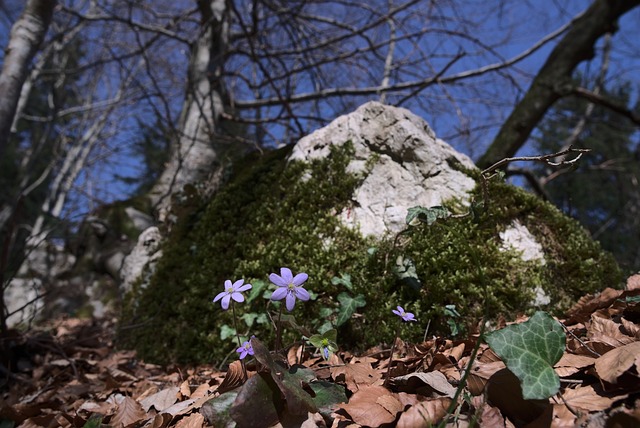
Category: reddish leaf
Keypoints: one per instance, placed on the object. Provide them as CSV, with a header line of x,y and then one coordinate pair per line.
x,y
426,413
373,406
614,363
129,412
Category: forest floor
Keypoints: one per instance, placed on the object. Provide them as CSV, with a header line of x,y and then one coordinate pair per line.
x,y
67,373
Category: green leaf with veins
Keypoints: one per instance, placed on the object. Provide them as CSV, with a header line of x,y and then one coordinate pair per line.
x,y
348,306
530,350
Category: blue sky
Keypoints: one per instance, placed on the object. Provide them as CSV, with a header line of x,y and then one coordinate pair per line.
x,y
466,114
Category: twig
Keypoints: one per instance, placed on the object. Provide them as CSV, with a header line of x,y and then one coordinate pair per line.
x,y
547,159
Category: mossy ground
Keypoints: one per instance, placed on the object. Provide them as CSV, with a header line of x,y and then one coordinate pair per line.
x,y
267,216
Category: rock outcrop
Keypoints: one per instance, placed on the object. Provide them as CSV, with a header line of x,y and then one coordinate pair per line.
x,y
334,206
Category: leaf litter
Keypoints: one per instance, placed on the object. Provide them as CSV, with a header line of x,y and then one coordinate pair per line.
x,y
67,373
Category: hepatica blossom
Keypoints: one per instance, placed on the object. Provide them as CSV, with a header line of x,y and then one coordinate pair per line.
x,y
245,349
232,291
406,316
289,287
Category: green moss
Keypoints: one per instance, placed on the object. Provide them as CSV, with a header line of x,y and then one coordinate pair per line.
x,y
271,215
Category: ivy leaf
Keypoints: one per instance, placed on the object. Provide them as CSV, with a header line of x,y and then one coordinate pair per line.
x,y
530,350
426,215
227,332
345,279
257,289
348,306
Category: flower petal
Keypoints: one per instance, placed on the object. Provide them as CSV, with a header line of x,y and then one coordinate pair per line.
x,y
225,301
238,297
302,294
280,293
244,287
400,309
277,280
291,301
286,274
300,279
227,284
219,296
237,284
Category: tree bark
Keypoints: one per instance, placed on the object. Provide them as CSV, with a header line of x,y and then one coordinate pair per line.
x,y
25,39
193,151
554,79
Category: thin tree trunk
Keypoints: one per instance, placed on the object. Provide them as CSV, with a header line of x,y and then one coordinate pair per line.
x,y
193,151
25,39
554,79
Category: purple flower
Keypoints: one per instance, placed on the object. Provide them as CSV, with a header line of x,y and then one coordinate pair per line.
x,y
406,316
289,287
232,291
245,349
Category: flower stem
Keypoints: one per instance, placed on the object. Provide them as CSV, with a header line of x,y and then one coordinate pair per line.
x,y
393,348
235,325
279,329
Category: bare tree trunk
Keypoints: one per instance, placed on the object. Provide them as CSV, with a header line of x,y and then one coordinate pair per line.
x,y
554,79
193,151
26,36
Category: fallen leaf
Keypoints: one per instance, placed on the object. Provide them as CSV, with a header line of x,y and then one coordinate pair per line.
x,y
361,375
195,420
372,406
571,363
633,282
129,412
586,397
607,331
424,414
490,417
435,380
614,363
161,400
233,379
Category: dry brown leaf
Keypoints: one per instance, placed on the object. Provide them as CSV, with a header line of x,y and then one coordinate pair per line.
x,y
631,328
159,421
491,417
233,378
455,352
195,420
586,397
582,310
480,374
607,331
161,400
424,414
129,412
435,380
633,282
371,406
201,391
617,361
360,375
185,389
571,363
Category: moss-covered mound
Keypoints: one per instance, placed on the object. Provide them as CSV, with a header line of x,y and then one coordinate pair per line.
x,y
271,215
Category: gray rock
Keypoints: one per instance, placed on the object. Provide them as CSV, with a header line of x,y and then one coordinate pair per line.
x,y
414,167
142,258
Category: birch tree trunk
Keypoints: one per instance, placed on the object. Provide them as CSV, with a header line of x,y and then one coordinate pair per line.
x,y
25,39
193,150
554,79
